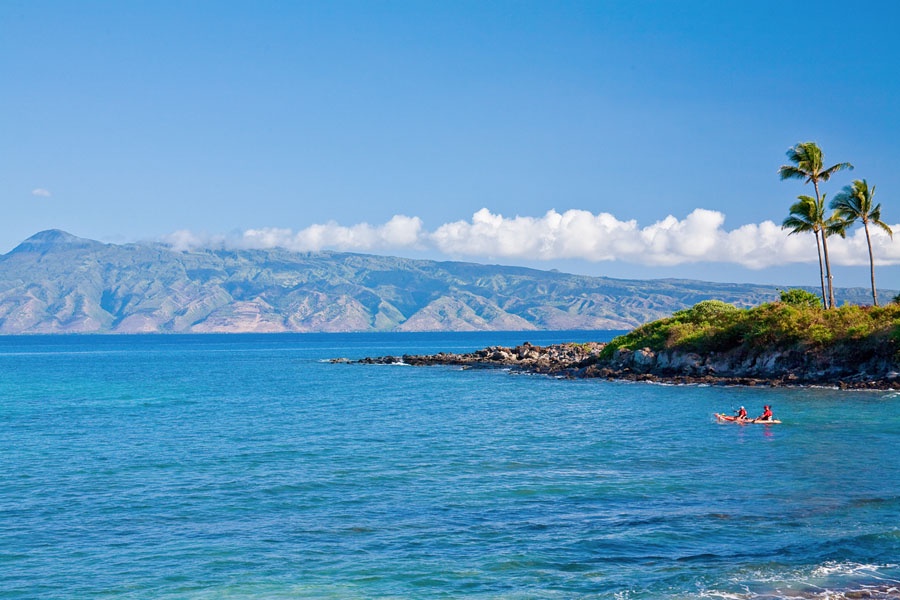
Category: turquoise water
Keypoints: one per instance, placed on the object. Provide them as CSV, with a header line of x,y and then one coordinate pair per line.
x,y
248,466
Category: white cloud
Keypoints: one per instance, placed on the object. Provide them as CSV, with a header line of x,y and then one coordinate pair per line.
x,y
400,232
184,240
853,251
41,192
582,235
573,234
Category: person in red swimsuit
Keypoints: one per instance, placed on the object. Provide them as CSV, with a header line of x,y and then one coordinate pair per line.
x,y
741,414
767,414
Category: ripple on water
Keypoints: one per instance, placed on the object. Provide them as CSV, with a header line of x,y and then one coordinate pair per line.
x,y
249,468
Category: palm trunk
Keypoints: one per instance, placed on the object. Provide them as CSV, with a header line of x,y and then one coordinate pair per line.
x,y
821,269
830,303
871,263
828,272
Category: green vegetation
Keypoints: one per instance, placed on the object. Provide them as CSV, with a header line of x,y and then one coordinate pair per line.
x,y
797,321
809,213
800,320
805,215
799,297
855,203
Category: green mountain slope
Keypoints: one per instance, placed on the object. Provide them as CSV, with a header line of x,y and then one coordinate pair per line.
x,y
55,282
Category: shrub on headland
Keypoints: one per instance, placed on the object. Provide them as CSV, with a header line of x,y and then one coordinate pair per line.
x,y
794,322
800,297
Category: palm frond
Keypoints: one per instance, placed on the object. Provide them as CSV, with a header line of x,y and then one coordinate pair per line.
x,y
884,227
809,155
797,225
790,172
855,201
846,208
835,225
875,213
807,159
803,216
827,173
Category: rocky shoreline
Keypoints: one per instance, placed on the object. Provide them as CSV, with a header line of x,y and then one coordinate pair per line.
x,y
828,368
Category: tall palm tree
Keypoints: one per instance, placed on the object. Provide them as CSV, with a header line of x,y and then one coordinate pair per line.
x,y
855,203
807,215
809,166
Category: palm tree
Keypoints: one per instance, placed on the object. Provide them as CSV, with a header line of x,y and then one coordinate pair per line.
x,y
807,215
855,203
809,166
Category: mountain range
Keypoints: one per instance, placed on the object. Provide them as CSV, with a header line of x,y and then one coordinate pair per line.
x,y
55,282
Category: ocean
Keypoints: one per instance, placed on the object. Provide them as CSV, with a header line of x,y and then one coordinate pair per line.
x,y
249,466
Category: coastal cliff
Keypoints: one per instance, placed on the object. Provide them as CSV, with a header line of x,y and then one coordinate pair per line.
x,y
795,367
831,367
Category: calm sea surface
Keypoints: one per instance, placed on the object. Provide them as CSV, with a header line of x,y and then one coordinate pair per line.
x,y
247,466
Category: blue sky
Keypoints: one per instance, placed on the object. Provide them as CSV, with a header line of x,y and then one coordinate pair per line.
x,y
628,139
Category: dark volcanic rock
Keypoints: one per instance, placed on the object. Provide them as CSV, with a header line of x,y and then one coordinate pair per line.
x,y
842,366
557,359
836,367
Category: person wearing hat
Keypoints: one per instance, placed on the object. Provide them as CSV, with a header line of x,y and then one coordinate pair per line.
x,y
767,414
741,414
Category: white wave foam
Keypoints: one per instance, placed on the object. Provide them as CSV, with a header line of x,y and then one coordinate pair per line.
x,y
833,568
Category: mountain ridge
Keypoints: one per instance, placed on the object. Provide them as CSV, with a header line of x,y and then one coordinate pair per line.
x,y
55,282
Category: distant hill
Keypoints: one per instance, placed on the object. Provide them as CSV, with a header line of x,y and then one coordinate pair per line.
x,y
55,282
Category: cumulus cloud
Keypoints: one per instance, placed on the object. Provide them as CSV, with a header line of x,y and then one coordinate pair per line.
x,y
700,236
184,240
400,232
41,192
853,251
579,234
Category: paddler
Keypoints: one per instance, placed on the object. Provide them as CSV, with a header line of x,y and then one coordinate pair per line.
x,y
741,414
767,414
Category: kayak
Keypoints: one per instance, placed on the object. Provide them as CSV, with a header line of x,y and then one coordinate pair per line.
x,y
731,419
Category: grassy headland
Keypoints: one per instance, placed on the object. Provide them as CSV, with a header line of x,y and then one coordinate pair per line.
x,y
714,326
794,340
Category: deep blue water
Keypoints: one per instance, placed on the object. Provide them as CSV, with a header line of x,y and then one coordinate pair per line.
x,y
247,466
